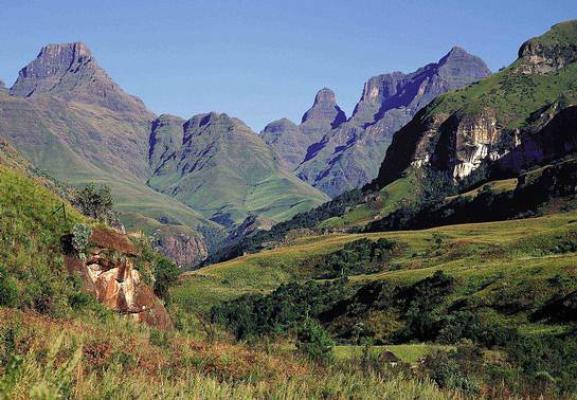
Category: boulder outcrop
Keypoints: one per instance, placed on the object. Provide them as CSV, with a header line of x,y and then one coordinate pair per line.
x,y
108,271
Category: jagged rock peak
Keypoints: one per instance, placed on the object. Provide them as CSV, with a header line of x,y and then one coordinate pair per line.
x,y
325,111
69,71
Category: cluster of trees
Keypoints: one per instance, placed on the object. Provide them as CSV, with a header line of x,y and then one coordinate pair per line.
x,y
361,256
285,309
339,308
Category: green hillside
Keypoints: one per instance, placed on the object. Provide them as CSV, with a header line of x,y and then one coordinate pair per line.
x,y
226,172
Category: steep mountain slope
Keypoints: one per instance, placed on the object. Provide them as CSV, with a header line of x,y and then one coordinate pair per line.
x,y
292,142
349,156
217,165
517,118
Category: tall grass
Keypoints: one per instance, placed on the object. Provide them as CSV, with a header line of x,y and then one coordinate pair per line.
x,y
44,358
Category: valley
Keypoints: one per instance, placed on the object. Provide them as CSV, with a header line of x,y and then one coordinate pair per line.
x,y
425,247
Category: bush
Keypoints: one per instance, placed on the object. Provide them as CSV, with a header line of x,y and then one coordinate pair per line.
x,y
315,342
95,202
454,370
166,274
81,238
8,289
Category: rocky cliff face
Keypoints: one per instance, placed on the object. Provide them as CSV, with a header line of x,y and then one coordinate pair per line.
x,y
70,71
522,116
550,52
292,142
108,272
324,114
186,249
349,156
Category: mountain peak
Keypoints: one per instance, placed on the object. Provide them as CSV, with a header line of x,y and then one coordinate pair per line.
x,y
458,55
69,71
77,49
324,113
325,96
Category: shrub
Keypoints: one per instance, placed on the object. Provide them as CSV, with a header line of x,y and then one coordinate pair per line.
x,y
81,238
454,370
314,341
95,202
166,274
8,289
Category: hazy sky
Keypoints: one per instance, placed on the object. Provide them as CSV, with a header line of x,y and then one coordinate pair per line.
x,y
263,60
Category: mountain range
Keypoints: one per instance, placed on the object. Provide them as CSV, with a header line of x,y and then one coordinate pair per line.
x,y
190,183
70,119
342,154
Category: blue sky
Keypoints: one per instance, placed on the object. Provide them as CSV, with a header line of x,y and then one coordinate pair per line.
x,y
263,60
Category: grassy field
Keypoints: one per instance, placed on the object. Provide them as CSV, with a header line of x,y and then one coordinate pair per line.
x,y
408,353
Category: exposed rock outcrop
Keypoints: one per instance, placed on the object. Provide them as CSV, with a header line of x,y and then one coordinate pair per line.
x,y
108,272
186,250
550,52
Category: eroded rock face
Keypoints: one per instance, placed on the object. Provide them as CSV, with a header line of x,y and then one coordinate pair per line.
x,y
185,250
108,272
469,141
537,57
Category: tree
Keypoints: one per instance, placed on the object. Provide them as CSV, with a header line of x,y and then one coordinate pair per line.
x,y
95,202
